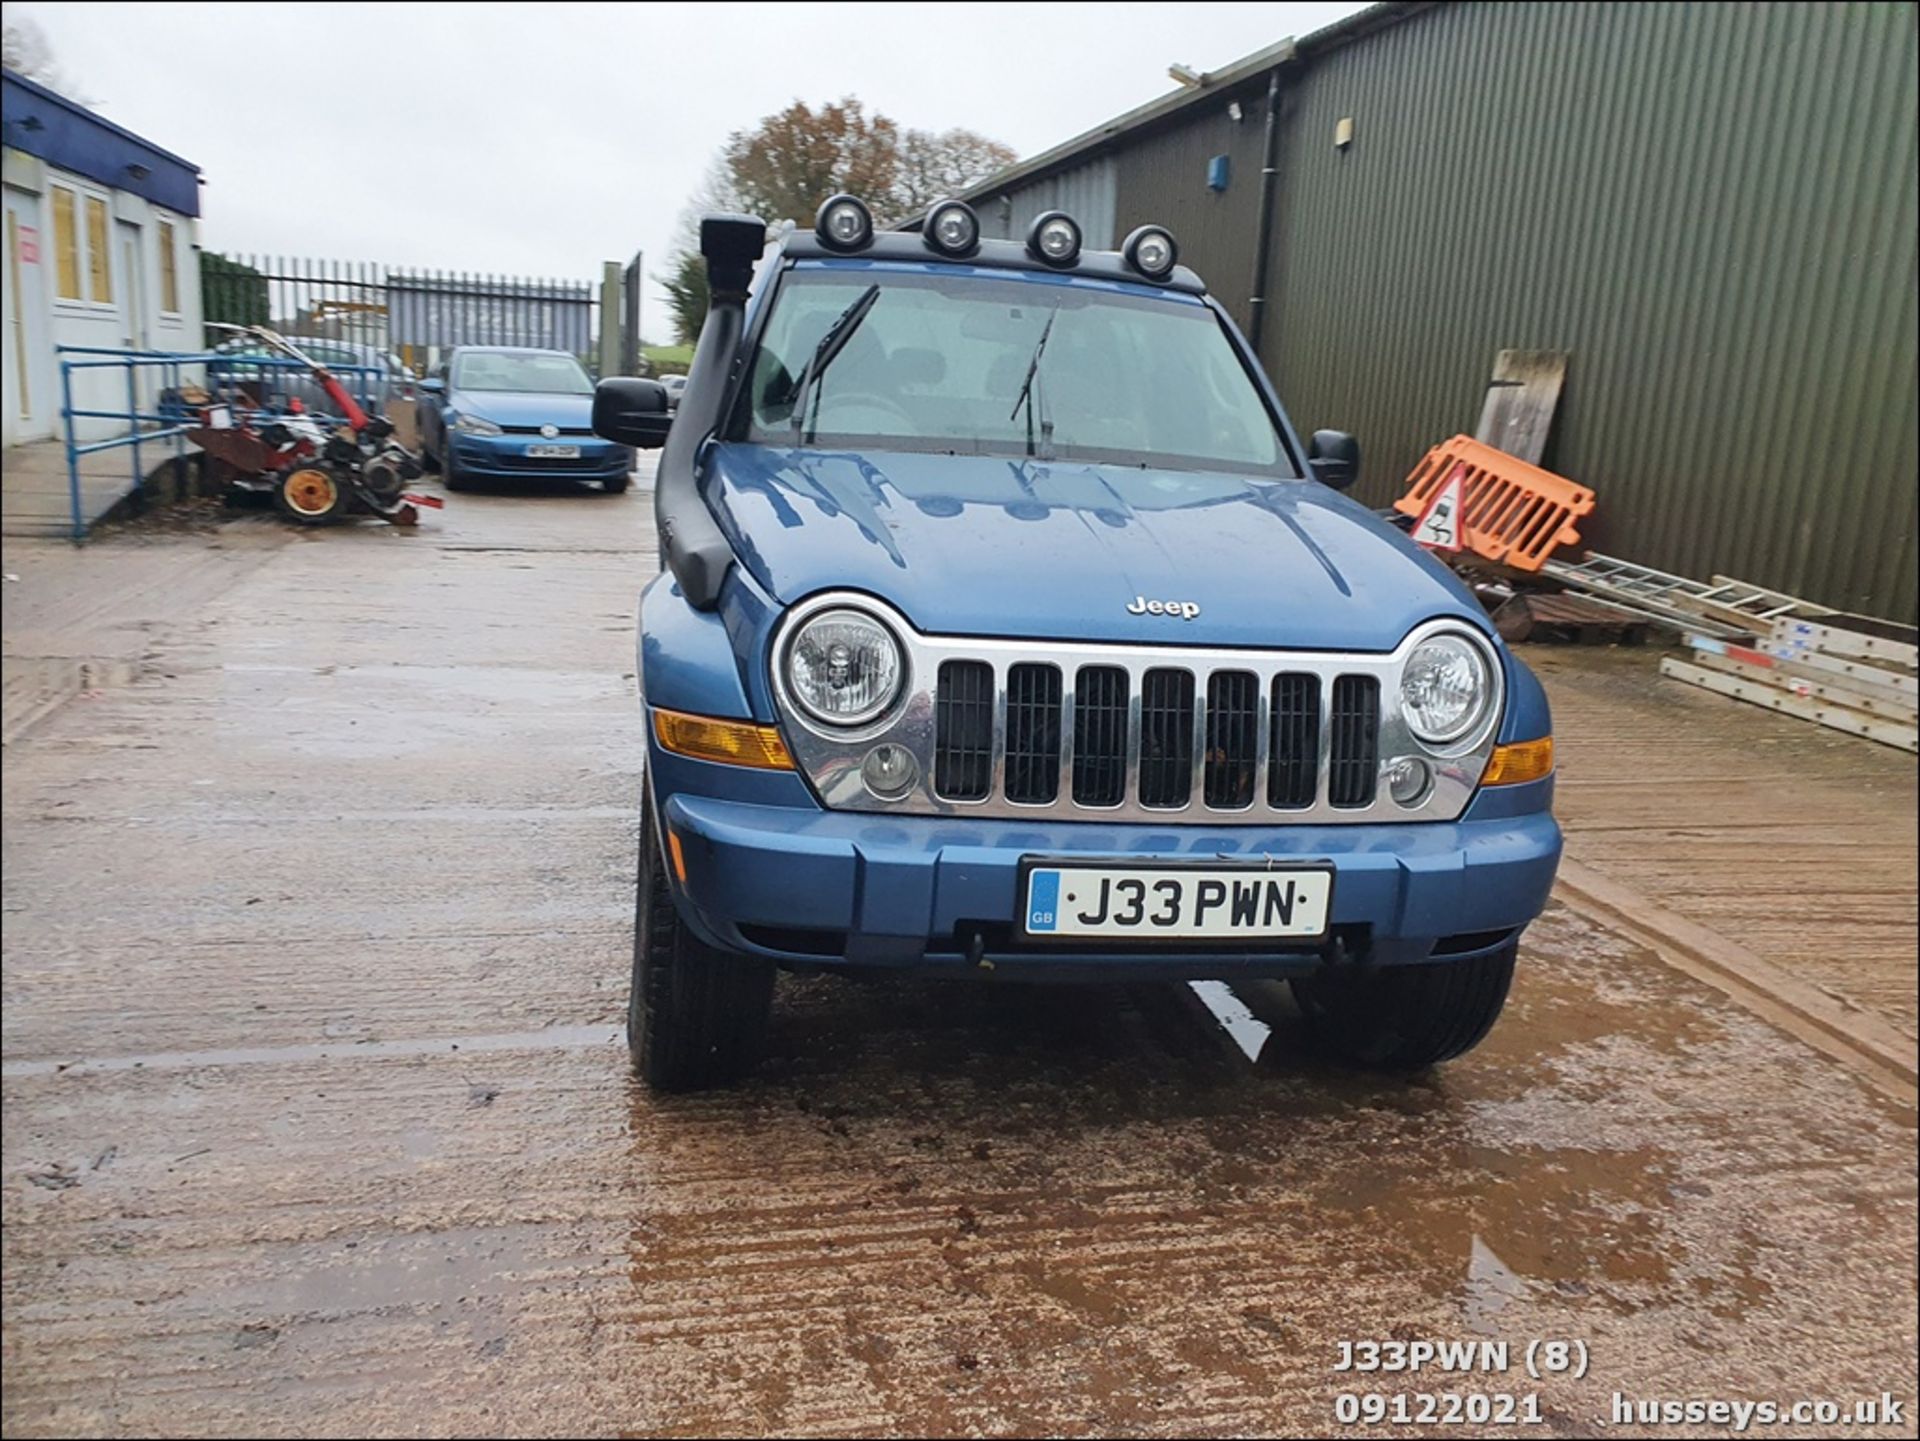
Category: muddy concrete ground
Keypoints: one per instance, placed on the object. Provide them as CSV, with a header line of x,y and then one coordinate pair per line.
x,y
317,1121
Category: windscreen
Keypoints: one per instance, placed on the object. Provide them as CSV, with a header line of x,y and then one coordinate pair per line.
x,y
969,364
505,370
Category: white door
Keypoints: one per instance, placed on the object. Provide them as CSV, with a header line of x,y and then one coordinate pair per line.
x,y
30,402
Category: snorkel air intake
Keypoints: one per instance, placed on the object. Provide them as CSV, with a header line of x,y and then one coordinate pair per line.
x,y
692,544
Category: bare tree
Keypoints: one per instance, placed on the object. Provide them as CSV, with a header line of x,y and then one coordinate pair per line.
x,y
934,166
25,50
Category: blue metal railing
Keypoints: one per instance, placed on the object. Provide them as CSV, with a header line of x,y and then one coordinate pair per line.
x,y
174,423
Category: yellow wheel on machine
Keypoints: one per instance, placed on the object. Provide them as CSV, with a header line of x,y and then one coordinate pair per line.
x,y
311,495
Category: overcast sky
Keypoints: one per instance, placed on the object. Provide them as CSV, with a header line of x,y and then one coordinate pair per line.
x,y
544,139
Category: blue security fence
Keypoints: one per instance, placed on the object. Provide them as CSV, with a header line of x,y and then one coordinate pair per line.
x,y
262,384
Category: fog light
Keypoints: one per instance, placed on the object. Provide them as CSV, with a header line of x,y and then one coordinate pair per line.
x,y
1054,238
1409,779
843,223
889,771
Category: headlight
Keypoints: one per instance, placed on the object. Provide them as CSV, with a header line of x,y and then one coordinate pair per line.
x,y
1445,689
474,425
844,667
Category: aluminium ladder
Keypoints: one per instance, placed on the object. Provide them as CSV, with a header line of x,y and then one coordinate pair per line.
x,y
1725,608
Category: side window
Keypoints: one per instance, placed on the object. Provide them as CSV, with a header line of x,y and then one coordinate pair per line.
x,y
99,257
169,275
66,242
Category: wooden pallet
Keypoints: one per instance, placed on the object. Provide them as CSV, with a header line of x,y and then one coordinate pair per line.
x,y
1569,619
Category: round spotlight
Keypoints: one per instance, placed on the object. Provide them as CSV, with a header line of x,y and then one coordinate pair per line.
x,y
1151,251
844,224
889,771
952,228
1054,239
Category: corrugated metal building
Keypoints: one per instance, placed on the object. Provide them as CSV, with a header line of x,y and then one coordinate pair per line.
x,y
1712,207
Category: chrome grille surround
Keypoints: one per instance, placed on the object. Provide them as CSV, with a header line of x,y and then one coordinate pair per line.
x,y
830,757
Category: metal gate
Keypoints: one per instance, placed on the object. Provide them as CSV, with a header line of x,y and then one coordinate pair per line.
x,y
415,314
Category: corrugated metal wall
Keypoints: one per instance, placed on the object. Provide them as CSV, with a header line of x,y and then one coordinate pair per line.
x,y
1085,192
1163,179
1712,207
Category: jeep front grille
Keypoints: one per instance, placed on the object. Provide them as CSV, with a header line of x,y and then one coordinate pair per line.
x,y
1169,719
1147,734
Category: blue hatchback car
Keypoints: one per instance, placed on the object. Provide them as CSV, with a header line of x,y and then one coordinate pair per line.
x,y
512,413
1008,630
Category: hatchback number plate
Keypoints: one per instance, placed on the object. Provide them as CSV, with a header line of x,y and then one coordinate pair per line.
x,y
554,452
1176,902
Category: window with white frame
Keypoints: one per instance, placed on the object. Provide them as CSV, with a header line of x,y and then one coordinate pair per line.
x,y
83,258
169,275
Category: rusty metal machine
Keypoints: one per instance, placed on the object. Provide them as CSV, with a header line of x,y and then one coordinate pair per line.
x,y
315,474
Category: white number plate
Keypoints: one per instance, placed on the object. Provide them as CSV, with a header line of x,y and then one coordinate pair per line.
x,y
1177,902
555,452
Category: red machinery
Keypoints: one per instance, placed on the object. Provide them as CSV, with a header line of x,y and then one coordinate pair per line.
x,y
315,476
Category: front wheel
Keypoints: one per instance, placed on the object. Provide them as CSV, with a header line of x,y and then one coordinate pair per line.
x,y
616,484
312,495
1404,1018
696,1016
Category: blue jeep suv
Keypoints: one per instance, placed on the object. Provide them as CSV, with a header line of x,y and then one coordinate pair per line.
x,y
1008,630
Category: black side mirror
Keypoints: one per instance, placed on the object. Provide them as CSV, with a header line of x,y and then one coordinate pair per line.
x,y
432,385
632,411
1334,458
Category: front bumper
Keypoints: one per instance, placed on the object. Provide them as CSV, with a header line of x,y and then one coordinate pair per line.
x,y
932,892
505,457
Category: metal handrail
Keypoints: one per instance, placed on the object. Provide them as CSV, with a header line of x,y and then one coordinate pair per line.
x,y
171,362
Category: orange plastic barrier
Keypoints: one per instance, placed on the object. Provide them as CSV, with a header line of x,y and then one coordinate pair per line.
x,y
1514,513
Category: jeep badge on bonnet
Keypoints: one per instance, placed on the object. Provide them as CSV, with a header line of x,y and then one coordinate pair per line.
x,y
1185,609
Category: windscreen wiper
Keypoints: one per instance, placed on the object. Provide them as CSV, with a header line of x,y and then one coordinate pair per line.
x,y
1026,396
824,354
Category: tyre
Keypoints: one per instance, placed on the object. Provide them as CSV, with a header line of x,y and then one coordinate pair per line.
x,y
312,495
1403,1018
616,484
696,1015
